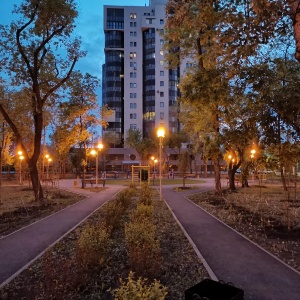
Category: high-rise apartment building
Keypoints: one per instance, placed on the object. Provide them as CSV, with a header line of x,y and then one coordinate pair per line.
x,y
136,83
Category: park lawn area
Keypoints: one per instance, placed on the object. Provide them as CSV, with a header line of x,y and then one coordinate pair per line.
x,y
18,208
266,214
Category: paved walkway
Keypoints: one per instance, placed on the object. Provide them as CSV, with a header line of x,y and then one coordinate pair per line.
x,y
21,248
231,257
228,255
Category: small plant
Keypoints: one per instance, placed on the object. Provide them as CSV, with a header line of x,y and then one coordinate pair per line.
x,y
124,197
113,214
143,247
93,245
139,290
141,213
145,194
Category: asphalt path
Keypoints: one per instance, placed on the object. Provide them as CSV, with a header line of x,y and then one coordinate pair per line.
x,y
232,257
19,249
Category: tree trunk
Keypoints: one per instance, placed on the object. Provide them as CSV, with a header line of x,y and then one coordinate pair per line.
x,y
36,184
1,163
217,174
231,174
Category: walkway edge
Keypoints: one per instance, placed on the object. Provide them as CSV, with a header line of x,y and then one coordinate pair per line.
x,y
205,264
51,245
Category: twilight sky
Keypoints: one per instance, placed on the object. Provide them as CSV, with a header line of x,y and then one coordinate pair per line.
x,y
90,28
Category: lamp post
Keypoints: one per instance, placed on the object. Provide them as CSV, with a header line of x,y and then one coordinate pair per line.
x,y
48,161
160,135
21,157
95,153
252,159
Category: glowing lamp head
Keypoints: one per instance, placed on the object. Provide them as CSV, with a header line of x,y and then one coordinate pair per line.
x,y
161,132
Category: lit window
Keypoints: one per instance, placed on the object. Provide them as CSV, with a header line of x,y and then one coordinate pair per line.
x,y
132,15
161,62
161,52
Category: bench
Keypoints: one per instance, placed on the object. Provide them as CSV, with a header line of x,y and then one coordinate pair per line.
x,y
53,181
92,181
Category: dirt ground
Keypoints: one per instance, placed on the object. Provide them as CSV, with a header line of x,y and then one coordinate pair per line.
x,y
18,208
264,213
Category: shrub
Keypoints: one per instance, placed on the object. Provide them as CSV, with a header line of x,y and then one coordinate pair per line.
x,y
145,194
113,214
139,290
124,197
142,212
93,245
142,247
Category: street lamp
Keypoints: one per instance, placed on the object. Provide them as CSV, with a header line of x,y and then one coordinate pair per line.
x,y
21,157
160,135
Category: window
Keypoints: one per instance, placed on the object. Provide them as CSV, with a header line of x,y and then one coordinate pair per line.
x,y
131,105
132,44
162,73
161,52
150,21
188,65
132,24
134,115
162,115
132,55
132,126
132,15
161,94
161,62
161,41
133,33
161,21
161,83
161,104
161,31
131,116
132,74
132,84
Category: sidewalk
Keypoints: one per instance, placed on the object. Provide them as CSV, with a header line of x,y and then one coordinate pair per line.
x,y
230,256
21,248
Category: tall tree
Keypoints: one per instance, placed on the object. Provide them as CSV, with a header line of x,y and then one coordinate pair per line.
x,y
39,53
144,147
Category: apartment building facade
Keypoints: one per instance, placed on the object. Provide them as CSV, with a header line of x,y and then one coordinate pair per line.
x,y
136,83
